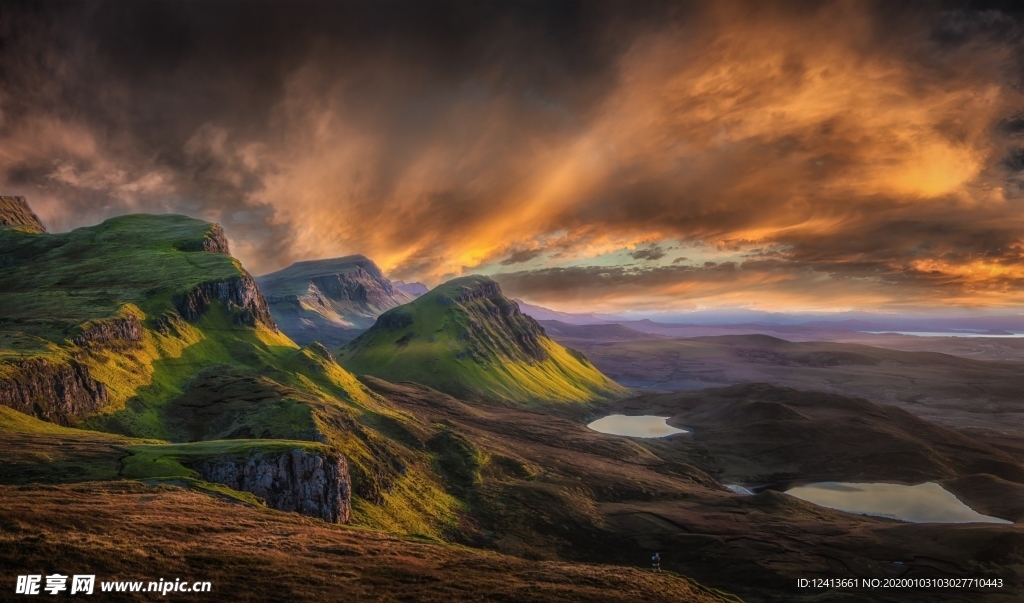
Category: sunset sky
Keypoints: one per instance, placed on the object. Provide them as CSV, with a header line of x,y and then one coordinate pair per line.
x,y
643,156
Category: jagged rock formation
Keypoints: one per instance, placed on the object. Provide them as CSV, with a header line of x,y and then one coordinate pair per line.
x,y
125,328
496,326
297,480
55,390
329,301
467,339
240,296
14,211
214,241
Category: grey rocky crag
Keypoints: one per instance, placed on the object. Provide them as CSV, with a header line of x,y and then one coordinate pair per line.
x,y
62,390
56,391
240,296
317,485
214,241
98,332
496,321
14,211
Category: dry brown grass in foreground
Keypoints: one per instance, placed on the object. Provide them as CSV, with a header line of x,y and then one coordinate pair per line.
x,y
128,531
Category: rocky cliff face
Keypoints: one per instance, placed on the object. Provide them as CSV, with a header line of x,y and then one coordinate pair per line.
x,y
214,241
126,328
239,294
496,321
467,339
14,211
483,289
299,481
353,280
358,285
54,390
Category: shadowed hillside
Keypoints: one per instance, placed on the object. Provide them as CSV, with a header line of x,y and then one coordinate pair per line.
x,y
465,338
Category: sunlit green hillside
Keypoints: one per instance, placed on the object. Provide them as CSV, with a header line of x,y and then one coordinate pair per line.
x,y
465,338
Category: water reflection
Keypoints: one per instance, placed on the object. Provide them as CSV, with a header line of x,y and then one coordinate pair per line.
x,y
643,426
923,503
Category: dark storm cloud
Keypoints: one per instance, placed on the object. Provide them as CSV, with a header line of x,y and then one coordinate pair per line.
x,y
178,106
859,153
518,256
651,253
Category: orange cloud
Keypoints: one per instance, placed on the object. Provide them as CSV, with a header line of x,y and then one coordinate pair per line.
x,y
839,155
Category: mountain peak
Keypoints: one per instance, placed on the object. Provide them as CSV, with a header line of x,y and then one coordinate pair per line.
x,y
327,299
468,288
467,339
15,212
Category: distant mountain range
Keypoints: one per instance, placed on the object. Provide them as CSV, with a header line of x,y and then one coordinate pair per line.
x,y
414,289
542,313
141,344
332,300
754,321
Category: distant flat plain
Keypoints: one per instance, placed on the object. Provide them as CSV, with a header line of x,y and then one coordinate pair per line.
x,y
962,382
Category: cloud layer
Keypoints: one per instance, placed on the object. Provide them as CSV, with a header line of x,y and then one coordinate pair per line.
x,y
604,156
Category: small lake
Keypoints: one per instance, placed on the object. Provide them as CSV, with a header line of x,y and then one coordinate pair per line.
x,y
642,426
923,503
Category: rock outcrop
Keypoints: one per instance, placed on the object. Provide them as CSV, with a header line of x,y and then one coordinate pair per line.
x,y
478,289
496,321
240,296
98,332
52,389
364,284
214,241
317,485
14,211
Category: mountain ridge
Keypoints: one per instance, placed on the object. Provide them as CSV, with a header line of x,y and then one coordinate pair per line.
x,y
143,326
465,338
329,300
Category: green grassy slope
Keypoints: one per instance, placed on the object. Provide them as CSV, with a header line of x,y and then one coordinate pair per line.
x,y
50,283
466,339
210,378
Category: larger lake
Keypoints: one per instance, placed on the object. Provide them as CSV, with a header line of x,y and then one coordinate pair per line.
x,y
641,426
923,503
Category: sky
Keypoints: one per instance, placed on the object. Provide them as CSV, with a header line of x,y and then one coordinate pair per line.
x,y
622,156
